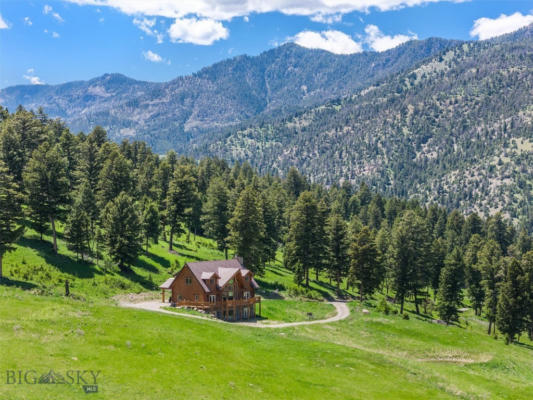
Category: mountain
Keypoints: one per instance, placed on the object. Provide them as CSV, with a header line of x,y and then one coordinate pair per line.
x,y
456,129
170,114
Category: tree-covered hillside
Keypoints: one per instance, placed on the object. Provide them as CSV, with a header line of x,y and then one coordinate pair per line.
x,y
170,114
456,129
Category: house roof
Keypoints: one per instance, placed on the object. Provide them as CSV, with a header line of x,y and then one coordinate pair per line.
x,y
167,283
225,269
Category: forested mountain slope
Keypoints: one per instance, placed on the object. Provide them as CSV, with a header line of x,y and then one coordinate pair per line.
x,y
456,129
167,115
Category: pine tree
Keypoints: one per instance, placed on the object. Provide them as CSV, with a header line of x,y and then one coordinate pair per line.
x,y
366,270
77,229
450,296
122,231
474,276
410,256
216,213
512,302
180,197
46,183
337,248
490,266
247,229
527,267
151,228
11,218
114,178
270,238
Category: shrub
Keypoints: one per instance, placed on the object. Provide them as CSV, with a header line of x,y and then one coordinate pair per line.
x,y
405,316
383,306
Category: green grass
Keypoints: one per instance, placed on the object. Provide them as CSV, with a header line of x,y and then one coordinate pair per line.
x,y
294,310
148,355
151,355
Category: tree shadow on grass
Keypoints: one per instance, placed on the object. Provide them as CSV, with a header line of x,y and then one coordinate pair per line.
x,y
5,281
140,263
158,259
66,264
141,280
524,345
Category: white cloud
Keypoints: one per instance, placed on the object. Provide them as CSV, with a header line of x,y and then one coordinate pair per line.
x,y
486,28
378,41
55,35
153,57
199,21
27,21
327,18
32,78
198,31
225,10
246,19
333,41
49,10
146,25
3,24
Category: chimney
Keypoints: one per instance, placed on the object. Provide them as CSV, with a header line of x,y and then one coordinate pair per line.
x,y
240,259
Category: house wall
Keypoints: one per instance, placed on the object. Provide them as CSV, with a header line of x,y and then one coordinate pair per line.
x,y
187,292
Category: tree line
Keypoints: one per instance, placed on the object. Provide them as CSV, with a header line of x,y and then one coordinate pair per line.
x,y
115,199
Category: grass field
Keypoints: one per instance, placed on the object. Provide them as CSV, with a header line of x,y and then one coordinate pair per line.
x,y
145,355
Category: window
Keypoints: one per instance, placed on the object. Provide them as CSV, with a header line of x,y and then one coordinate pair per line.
x,y
246,295
188,280
246,278
196,297
212,298
212,281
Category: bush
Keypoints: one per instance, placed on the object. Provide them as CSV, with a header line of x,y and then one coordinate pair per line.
x,y
383,306
405,316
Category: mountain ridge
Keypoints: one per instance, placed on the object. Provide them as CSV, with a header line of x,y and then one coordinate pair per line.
x,y
170,114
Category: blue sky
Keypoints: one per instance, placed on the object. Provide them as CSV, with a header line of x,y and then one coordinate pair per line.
x,y
157,40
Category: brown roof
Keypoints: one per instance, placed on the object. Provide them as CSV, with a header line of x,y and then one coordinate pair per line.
x,y
225,269
167,283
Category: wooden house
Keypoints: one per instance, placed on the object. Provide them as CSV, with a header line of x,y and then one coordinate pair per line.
x,y
223,288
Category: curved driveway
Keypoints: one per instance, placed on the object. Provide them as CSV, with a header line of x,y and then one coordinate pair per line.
x,y
342,312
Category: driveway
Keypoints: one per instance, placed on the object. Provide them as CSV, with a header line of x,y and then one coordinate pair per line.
x,y
154,305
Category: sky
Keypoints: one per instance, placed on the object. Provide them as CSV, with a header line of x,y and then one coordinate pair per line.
x,y
51,42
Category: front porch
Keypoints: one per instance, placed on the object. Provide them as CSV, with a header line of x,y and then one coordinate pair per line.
x,y
228,310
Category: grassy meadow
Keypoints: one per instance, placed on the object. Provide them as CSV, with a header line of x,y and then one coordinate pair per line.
x,y
145,355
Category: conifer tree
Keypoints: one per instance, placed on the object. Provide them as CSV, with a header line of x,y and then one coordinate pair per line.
x,y
151,228
337,248
46,183
490,266
450,287
512,302
114,178
410,256
77,230
247,229
11,218
180,197
527,267
216,213
366,270
122,231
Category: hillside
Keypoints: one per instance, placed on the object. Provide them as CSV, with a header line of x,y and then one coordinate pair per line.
x,y
168,115
456,129
365,356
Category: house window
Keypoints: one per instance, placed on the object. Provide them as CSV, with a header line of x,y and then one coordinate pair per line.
x,y
188,280
212,281
196,297
246,278
246,295
212,298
